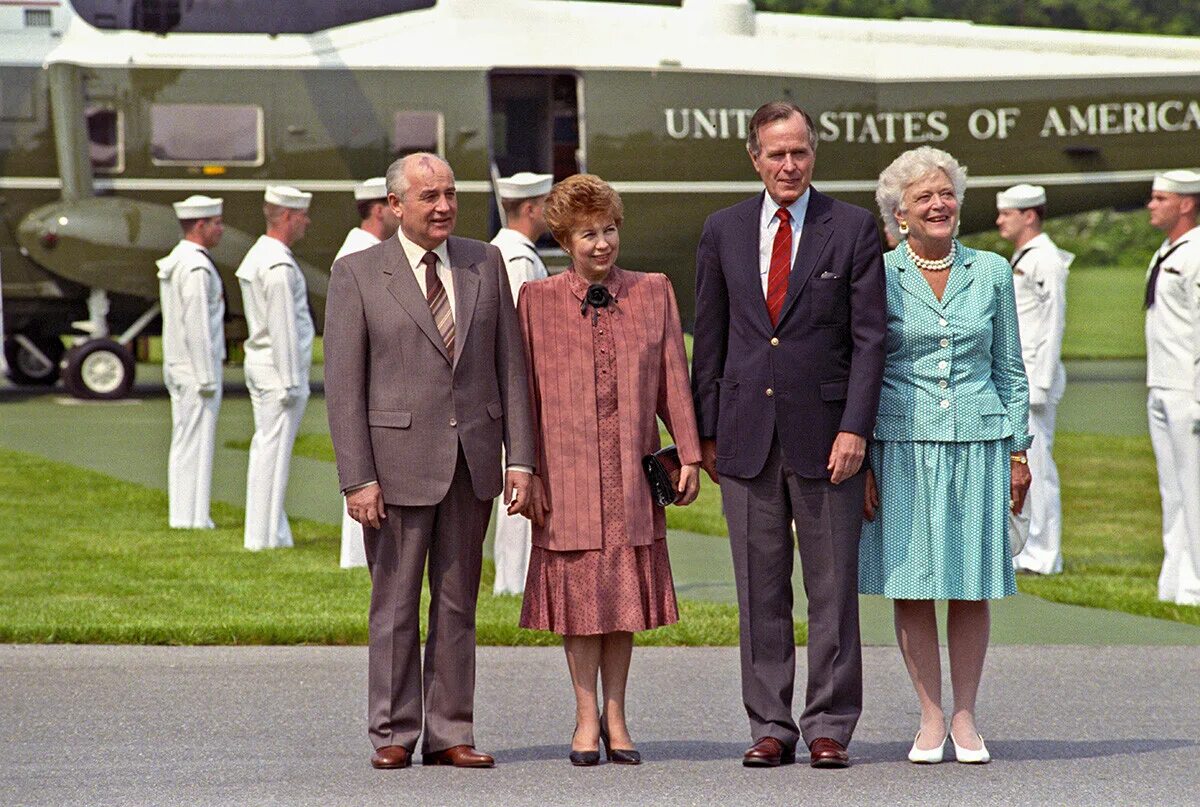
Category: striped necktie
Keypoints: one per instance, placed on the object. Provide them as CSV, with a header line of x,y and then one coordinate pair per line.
x,y
780,266
439,303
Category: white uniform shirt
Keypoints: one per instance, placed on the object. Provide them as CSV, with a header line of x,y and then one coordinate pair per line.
x,y
768,226
275,301
521,259
1040,281
357,240
1173,322
193,314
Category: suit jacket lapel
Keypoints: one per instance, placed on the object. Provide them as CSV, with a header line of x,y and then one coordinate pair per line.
x,y
961,277
913,282
813,238
748,233
466,292
403,286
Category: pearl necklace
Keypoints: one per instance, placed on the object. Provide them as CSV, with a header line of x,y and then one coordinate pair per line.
x,y
940,265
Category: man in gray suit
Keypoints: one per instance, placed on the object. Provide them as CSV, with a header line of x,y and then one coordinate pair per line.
x,y
424,383
786,371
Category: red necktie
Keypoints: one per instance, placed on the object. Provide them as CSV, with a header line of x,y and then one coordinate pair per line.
x,y
781,265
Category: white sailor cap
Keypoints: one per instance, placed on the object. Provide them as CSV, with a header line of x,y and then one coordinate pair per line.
x,y
1178,181
198,207
524,185
286,196
1021,197
373,188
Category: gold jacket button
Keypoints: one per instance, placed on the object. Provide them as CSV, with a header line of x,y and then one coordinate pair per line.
x,y
774,341
453,421
770,392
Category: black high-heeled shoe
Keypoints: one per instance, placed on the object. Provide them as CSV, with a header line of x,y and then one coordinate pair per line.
x,y
617,756
583,759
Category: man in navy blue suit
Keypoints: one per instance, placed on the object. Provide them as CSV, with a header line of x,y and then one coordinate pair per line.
x,y
788,362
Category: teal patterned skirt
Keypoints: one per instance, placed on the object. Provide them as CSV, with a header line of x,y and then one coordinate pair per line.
x,y
941,531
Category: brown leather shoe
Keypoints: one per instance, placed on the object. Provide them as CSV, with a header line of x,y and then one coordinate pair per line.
x,y
768,753
827,753
391,756
460,756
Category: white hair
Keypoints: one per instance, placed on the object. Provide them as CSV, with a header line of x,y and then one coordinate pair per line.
x,y
396,178
910,167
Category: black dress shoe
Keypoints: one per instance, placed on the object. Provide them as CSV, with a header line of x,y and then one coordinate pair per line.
x,y
618,756
583,759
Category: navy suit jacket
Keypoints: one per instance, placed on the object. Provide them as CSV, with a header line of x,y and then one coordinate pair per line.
x,y
818,371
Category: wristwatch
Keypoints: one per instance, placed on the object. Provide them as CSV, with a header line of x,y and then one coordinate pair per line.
x,y
1021,458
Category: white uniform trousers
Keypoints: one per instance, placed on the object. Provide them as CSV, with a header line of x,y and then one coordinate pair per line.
x,y
1040,522
1177,454
354,552
514,536
190,462
275,428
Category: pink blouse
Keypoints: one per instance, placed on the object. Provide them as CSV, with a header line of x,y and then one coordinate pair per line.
x,y
652,379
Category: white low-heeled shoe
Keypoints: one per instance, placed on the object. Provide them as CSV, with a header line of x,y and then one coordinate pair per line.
x,y
926,756
969,757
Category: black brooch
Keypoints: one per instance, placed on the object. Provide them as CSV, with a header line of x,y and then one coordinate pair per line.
x,y
598,296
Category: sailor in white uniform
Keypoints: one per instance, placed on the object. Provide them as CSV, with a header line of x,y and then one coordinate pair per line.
x,y
1172,357
377,224
1040,281
278,358
193,316
523,197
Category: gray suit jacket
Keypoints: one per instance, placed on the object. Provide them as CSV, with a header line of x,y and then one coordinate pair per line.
x,y
397,407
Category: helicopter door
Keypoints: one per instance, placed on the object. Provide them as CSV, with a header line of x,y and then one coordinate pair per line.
x,y
536,125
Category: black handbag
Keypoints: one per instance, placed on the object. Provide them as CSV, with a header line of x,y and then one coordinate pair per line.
x,y
662,472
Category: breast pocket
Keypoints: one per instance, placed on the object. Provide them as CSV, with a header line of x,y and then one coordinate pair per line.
x,y
828,295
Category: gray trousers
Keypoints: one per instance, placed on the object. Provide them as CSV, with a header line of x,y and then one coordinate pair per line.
x,y
450,534
828,520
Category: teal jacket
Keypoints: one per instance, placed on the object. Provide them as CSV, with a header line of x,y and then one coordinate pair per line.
x,y
953,371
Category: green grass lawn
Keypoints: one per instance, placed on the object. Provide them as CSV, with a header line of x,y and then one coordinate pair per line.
x,y
1112,529
88,558
1112,540
1104,314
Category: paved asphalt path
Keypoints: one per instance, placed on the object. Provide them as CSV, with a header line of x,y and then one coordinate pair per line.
x,y
286,725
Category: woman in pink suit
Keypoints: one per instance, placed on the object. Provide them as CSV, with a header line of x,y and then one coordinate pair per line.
x,y
605,354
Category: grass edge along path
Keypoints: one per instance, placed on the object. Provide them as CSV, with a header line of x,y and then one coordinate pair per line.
x,y
1112,524
89,559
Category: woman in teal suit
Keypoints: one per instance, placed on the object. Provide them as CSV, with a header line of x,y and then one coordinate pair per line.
x,y
948,458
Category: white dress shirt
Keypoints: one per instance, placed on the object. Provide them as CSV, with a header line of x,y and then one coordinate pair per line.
x,y
1173,322
415,252
768,226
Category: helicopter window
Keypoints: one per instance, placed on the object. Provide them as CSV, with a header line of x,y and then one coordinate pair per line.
x,y
417,131
106,139
206,134
38,18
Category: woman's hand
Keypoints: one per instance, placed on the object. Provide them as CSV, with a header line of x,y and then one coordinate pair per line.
x,y
1021,479
870,497
538,505
689,484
